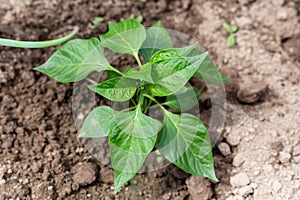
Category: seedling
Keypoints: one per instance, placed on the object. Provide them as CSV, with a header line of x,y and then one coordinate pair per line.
x,y
139,17
231,30
97,20
160,81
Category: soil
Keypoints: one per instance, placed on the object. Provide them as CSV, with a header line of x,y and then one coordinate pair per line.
x,y
258,156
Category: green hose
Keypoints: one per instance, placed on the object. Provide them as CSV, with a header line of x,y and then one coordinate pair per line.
x,y
43,44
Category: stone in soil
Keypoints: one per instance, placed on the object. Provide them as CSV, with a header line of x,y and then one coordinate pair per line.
x,y
296,150
240,179
245,191
45,191
224,149
13,189
238,160
199,188
276,186
106,175
251,92
233,139
84,173
284,157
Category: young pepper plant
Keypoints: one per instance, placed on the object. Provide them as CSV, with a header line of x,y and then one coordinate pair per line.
x,y
132,134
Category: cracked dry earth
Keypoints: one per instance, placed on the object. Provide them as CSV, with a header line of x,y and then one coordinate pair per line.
x,y
258,155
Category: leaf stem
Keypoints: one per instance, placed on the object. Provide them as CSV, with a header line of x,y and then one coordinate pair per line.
x,y
36,44
155,101
133,101
136,56
91,81
111,68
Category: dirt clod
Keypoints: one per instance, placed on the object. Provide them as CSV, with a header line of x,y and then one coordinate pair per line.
x,y
224,149
45,191
240,179
199,188
85,173
251,93
233,138
284,157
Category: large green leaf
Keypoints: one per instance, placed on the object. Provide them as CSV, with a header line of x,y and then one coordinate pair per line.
x,y
157,38
131,140
144,74
184,141
116,89
97,124
208,71
171,74
184,99
75,60
125,37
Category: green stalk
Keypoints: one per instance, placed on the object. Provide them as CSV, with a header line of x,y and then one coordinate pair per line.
x,y
136,56
111,68
155,101
37,44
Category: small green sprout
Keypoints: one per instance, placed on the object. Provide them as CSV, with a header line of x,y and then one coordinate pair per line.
x,y
97,20
139,17
231,30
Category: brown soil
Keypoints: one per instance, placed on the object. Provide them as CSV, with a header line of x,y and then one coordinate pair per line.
x,y
41,157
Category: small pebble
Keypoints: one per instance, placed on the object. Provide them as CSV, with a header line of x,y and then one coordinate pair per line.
x,y
282,15
253,185
224,149
284,157
245,191
85,173
276,186
256,172
240,179
233,139
296,150
238,160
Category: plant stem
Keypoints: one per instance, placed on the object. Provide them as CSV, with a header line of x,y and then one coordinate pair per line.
x,y
37,44
136,56
133,102
155,101
111,68
91,81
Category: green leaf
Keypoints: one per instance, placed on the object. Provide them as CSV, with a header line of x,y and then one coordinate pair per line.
x,y
125,37
97,124
173,53
139,18
116,89
112,74
98,20
208,71
144,74
225,79
234,28
170,75
227,27
184,99
230,40
157,38
131,140
184,141
75,60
